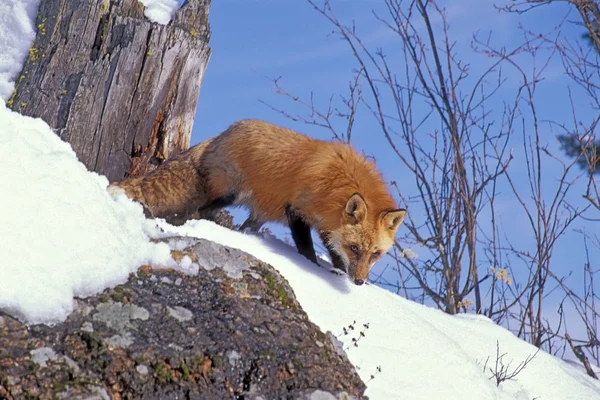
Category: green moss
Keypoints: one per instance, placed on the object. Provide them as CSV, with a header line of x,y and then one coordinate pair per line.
x,y
185,371
272,283
283,295
163,373
270,280
104,298
158,368
117,296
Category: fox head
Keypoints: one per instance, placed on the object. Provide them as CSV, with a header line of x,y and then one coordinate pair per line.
x,y
362,238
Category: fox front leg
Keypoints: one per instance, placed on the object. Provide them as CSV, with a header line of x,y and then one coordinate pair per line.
x,y
301,234
336,261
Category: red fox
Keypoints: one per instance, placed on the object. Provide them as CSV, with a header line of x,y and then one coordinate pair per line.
x,y
280,175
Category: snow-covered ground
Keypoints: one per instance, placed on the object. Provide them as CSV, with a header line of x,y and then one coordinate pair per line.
x,y
423,353
62,235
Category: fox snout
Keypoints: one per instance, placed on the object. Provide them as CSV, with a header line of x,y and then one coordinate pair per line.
x,y
357,273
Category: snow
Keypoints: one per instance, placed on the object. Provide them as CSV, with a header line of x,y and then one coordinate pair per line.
x,y
62,234
17,32
423,353
160,11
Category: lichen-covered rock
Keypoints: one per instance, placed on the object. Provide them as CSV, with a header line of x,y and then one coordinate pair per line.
x,y
233,331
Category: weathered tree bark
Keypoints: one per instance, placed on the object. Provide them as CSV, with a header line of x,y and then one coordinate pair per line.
x,y
121,89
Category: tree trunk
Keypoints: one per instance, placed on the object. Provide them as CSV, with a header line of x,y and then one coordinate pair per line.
x,y
119,88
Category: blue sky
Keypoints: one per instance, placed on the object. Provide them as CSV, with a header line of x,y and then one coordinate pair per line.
x,y
252,39
256,38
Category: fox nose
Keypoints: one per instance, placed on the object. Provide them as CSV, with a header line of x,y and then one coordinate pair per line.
x,y
359,281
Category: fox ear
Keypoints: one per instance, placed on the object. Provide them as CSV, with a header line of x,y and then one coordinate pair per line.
x,y
391,219
356,209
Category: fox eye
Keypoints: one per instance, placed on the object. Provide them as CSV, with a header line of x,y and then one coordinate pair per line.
x,y
375,255
354,249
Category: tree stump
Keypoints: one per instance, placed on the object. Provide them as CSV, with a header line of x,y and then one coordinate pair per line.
x,y
119,88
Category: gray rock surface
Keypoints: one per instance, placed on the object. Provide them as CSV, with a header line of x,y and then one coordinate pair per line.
x,y
234,331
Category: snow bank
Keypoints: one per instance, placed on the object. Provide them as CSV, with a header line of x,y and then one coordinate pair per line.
x,y
160,11
61,234
17,32
423,353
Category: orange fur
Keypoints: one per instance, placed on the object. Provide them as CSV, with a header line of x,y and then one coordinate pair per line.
x,y
280,175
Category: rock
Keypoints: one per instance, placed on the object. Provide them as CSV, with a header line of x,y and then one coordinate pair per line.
x,y
235,330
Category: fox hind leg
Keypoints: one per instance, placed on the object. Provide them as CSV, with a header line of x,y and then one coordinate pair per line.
x,y
212,207
253,224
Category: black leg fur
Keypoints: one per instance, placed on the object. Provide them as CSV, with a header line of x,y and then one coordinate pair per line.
x,y
218,203
336,260
301,234
251,223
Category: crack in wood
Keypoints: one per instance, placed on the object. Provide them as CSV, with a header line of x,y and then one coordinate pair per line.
x,y
71,87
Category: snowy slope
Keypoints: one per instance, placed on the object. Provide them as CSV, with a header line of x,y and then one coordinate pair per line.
x,y
423,353
61,234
